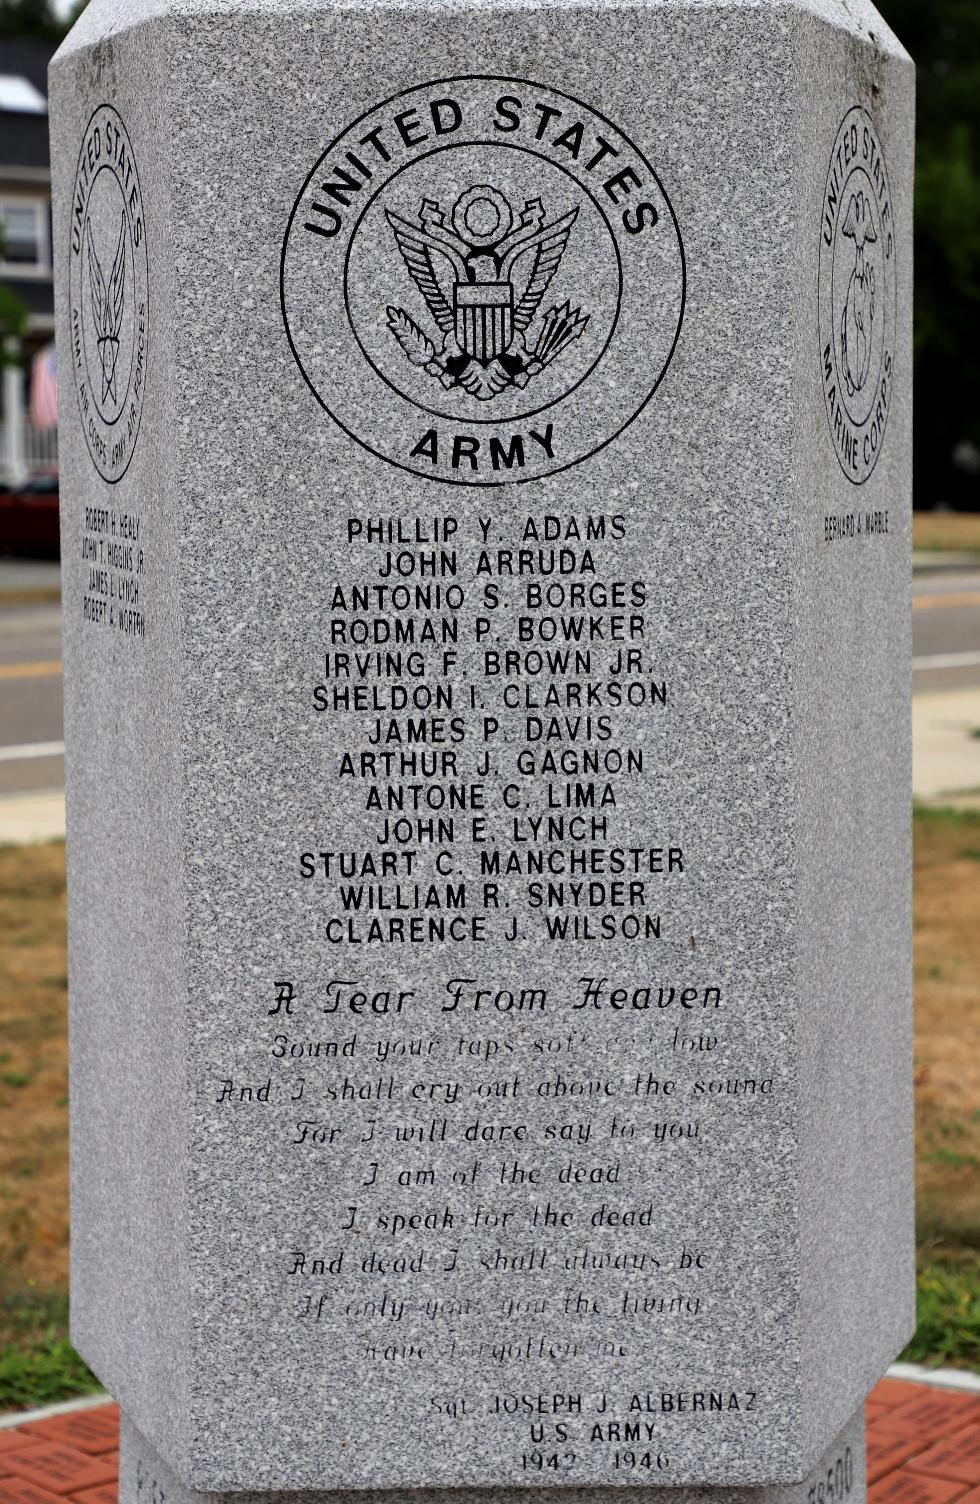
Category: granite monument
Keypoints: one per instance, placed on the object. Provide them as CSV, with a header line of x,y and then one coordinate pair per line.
x,y
485,441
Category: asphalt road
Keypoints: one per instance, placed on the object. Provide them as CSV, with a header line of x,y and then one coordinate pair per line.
x,y
946,631
945,636
30,699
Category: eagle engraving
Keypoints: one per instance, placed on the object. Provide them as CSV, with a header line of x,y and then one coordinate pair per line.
x,y
483,317
108,302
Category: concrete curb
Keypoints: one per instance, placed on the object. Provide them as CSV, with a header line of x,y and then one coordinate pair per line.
x,y
67,1407
938,1378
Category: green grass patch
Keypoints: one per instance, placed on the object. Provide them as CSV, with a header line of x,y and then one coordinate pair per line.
x,y
942,1155
15,1078
944,816
947,1308
38,1365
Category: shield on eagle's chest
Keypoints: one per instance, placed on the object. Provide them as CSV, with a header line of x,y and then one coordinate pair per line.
x,y
484,318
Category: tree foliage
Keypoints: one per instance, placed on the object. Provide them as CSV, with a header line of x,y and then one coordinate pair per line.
x,y
30,18
943,37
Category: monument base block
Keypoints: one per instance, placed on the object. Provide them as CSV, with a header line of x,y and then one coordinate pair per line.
x,y
840,1477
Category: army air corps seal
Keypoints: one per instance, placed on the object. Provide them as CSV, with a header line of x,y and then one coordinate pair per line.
x,y
108,293
483,281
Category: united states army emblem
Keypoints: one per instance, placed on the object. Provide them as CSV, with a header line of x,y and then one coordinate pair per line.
x,y
485,319
483,281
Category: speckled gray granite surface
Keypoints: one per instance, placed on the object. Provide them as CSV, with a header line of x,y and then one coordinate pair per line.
x,y
485,442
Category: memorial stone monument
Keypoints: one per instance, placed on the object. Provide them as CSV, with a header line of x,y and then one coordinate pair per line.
x,y
485,443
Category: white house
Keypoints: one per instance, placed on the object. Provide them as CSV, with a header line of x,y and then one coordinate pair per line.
x,y
25,259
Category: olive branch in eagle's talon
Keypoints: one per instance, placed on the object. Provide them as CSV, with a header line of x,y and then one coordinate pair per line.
x,y
416,344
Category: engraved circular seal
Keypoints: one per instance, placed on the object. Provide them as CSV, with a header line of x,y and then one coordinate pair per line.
x,y
108,290
482,280
857,296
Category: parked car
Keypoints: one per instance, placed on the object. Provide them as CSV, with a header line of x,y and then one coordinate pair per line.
x,y
29,517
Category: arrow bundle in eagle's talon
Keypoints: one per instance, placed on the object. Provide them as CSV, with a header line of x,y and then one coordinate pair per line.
x,y
561,326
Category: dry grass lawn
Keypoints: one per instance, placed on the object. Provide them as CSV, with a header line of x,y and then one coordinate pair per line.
x,y
33,1066
33,1106
947,1006
946,532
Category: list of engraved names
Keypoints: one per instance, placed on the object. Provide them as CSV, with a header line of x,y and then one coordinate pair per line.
x,y
496,1073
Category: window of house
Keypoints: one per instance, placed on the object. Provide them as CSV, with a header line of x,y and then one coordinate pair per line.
x,y
23,242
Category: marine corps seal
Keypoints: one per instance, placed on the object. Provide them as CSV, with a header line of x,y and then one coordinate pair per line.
x,y
108,289
857,296
462,263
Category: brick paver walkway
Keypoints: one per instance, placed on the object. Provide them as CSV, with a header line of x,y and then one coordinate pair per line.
x,y
923,1448
923,1445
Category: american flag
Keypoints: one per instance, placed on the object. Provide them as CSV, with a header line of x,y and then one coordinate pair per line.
x,y
44,388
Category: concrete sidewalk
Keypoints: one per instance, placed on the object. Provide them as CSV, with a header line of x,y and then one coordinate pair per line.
x,y
946,747
24,574
28,818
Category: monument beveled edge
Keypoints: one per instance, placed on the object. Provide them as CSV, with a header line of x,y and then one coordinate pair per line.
x,y
485,447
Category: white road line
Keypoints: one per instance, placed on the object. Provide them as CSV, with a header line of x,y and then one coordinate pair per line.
x,y
945,660
27,750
